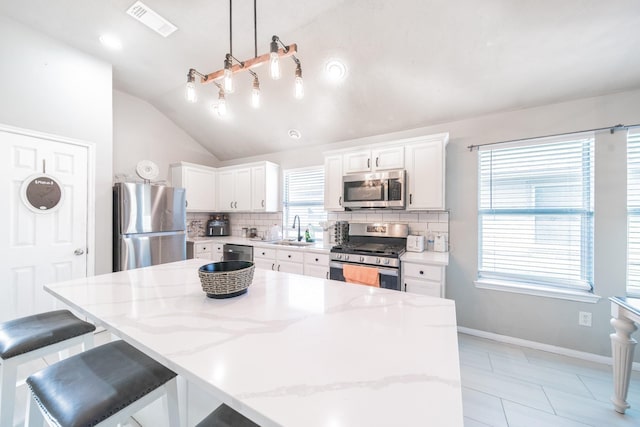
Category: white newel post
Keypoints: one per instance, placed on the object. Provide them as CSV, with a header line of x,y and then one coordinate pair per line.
x,y
622,347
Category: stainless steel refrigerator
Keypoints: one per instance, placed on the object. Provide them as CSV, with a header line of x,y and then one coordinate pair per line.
x,y
149,225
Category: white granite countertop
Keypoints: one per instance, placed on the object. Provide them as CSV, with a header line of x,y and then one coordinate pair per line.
x,y
426,257
293,351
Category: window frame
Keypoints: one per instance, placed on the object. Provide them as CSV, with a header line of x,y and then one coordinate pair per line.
x,y
539,284
633,211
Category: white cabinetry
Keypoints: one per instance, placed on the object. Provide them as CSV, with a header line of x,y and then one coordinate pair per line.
x,y
264,187
425,164
316,265
217,253
234,189
375,159
333,183
264,258
289,261
423,279
199,250
200,184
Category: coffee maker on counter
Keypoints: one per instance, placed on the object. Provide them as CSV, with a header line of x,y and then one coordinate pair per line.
x,y
218,225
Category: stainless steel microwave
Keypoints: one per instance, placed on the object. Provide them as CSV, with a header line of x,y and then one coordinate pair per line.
x,y
375,190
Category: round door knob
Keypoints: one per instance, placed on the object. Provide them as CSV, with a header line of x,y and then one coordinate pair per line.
x,y
78,251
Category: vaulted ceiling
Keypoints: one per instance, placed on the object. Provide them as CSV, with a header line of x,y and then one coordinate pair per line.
x,y
411,63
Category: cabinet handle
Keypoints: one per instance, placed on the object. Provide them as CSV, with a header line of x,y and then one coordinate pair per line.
x,y
421,272
340,200
405,287
288,256
377,158
368,163
263,254
186,203
231,205
262,203
327,274
235,205
278,267
316,259
410,198
273,266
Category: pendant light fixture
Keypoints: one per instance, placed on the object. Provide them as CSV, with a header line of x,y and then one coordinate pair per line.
x,y
232,66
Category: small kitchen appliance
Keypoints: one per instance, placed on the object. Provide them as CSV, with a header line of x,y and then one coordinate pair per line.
x,y
218,225
415,243
440,243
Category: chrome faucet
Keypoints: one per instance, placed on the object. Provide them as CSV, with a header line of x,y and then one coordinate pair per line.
x,y
294,226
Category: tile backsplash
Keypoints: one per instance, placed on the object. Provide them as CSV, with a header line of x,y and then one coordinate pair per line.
x,y
421,223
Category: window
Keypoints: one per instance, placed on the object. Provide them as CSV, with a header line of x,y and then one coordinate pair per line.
x,y
633,212
535,213
304,196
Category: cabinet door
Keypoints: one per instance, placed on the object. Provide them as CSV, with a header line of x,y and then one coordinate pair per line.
x,y
226,190
290,267
425,175
199,185
320,271
265,263
387,158
243,190
359,161
258,188
423,287
333,183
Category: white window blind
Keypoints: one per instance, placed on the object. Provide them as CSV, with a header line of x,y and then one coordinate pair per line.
x,y
633,212
304,196
535,214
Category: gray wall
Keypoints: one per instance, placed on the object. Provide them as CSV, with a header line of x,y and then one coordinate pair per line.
x,y
49,87
540,319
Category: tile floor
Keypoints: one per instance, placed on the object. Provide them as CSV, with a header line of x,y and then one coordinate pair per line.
x,y
505,385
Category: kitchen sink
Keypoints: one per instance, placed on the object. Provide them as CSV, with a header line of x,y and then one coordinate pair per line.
x,y
292,243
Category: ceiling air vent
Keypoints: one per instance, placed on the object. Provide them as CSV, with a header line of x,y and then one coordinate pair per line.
x,y
151,19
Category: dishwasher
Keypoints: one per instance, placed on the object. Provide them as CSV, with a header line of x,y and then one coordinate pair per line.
x,y
237,252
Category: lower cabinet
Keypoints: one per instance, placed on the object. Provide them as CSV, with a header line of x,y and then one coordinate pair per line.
x,y
264,258
289,261
218,252
425,279
202,250
316,265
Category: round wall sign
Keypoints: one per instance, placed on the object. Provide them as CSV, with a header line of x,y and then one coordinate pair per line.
x,y
41,193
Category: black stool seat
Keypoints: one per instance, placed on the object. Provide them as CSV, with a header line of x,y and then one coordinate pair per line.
x,y
88,388
224,416
30,333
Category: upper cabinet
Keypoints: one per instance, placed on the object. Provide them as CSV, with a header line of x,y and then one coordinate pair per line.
x,y
376,159
199,182
234,189
249,187
423,158
264,187
425,164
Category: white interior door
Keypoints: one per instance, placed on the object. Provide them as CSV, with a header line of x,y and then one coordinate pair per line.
x,y
46,246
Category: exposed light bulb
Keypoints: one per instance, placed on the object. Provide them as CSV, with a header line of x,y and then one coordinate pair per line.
x,y
228,76
255,93
274,64
222,105
190,90
298,83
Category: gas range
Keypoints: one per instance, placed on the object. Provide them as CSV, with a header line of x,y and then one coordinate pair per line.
x,y
373,244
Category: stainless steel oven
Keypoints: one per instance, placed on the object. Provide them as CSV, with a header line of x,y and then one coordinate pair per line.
x,y
389,277
378,190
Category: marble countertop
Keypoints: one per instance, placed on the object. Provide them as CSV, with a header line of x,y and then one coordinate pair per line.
x,y
294,350
428,257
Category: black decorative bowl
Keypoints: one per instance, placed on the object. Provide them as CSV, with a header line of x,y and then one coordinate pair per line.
x,y
226,279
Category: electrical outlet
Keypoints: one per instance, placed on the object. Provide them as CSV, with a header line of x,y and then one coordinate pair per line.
x,y
584,318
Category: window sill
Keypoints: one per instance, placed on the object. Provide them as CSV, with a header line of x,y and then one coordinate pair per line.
x,y
536,290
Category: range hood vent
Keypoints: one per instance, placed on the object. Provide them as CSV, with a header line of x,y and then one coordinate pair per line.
x,y
151,19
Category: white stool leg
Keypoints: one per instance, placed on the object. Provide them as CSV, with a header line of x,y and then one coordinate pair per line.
x,y
9,373
33,417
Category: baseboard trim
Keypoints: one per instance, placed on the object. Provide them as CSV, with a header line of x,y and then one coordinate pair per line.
x,y
590,357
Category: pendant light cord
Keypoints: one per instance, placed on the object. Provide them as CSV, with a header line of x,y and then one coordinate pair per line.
x,y
255,30
230,30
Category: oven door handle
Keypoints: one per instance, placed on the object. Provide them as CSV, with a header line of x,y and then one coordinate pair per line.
x,y
382,270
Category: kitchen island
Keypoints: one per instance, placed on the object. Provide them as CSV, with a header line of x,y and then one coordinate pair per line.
x,y
294,350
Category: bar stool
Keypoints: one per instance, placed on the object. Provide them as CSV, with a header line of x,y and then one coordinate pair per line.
x,y
224,416
100,387
28,338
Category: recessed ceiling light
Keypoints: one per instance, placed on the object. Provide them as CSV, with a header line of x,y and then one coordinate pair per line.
x,y
335,70
110,42
294,134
